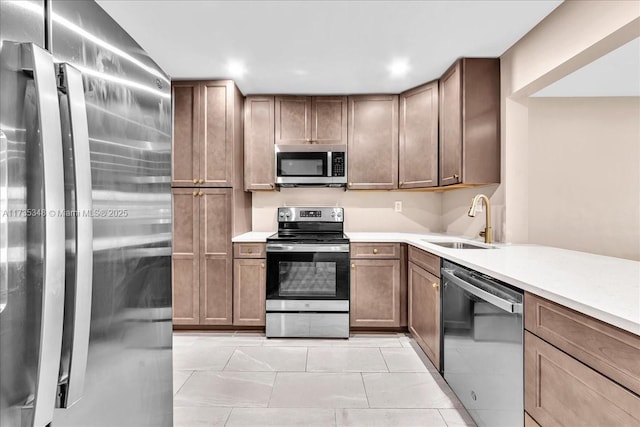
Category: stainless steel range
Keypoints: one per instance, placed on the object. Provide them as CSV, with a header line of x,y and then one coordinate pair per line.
x,y
308,274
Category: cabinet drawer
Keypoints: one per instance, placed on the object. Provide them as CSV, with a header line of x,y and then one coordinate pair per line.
x,y
249,250
559,390
375,250
428,261
607,349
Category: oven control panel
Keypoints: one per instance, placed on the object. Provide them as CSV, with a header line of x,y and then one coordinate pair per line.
x,y
298,214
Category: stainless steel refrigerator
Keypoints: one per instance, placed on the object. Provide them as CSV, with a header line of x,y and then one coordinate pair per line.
x,y
85,221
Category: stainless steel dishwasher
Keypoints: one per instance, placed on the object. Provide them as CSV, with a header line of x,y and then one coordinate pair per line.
x,y
482,345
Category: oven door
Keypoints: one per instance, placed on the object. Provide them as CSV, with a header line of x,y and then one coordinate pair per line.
x,y
297,271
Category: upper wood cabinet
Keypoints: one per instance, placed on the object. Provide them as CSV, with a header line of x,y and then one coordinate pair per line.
x,y
310,119
207,134
418,151
259,153
470,122
373,142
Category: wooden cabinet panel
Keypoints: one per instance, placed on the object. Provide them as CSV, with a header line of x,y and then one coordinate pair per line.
x,y
428,261
249,250
424,311
375,293
559,390
418,145
607,349
375,250
185,259
216,163
451,125
373,142
329,119
530,422
259,152
215,257
185,141
292,119
249,291
470,122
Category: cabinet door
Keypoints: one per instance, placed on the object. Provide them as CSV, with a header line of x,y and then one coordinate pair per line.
x,y
249,292
293,119
424,311
259,151
186,248
560,391
215,257
375,293
373,142
216,140
451,125
185,167
418,155
329,119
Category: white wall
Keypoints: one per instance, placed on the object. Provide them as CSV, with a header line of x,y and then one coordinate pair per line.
x,y
584,174
364,210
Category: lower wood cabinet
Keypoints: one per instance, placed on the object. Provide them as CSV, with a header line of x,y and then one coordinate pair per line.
x,y
249,286
561,391
375,285
424,311
202,256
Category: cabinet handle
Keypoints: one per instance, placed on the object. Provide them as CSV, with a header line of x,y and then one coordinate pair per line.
x,y
195,194
200,181
375,250
262,265
200,193
353,266
435,286
195,181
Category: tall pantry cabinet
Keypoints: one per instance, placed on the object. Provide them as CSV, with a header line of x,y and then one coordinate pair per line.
x,y
209,202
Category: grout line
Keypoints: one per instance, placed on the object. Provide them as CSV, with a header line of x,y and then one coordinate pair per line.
x,y
188,378
365,390
226,421
275,378
335,417
384,360
306,360
229,360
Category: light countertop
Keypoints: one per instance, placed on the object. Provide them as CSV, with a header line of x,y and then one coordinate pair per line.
x,y
605,288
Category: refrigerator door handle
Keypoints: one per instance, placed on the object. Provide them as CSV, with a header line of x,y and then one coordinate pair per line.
x,y
71,82
4,221
39,63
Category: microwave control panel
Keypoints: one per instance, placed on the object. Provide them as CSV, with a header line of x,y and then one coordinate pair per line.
x,y
337,166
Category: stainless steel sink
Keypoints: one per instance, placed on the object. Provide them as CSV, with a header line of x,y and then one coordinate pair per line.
x,y
459,245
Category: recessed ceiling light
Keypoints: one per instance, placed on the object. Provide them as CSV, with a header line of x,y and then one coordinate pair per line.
x,y
236,68
399,67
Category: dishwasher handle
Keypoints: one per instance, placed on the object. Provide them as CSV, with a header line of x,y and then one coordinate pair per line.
x,y
503,304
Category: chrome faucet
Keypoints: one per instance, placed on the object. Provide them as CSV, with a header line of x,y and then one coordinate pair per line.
x,y
487,233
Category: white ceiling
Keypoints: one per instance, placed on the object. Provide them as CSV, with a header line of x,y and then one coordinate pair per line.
x,y
614,74
322,47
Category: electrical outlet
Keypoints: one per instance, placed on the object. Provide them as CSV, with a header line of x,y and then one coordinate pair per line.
x,y
398,206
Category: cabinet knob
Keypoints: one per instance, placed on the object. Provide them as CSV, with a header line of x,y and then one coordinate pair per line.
x,y
262,265
200,181
308,139
271,185
200,193
195,181
353,266
456,176
350,184
435,286
249,251
375,250
195,194
401,183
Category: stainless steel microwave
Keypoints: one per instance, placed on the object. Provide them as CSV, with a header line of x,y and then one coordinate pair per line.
x,y
311,165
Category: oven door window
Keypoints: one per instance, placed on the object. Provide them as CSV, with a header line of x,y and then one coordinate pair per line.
x,y
307,279
308,276
302,164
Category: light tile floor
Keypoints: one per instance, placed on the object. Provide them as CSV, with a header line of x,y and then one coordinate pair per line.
x,y
244,379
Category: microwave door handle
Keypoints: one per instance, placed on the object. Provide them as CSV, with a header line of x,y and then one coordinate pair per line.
x,y
329,164
4,222
39,63
71,80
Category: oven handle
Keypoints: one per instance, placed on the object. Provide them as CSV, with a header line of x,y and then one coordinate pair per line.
x,y
307,247
503,304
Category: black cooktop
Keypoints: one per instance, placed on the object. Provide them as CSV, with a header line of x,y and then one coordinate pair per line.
x,y
309,237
